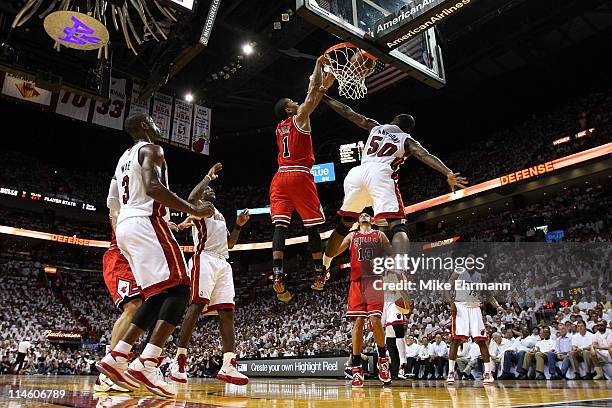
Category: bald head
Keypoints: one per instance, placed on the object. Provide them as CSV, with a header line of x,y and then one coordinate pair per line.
x,y
141,126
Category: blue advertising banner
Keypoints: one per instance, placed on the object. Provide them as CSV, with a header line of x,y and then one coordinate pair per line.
x,y
323,172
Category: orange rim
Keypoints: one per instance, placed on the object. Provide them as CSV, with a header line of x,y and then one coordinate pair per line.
x,y
350,45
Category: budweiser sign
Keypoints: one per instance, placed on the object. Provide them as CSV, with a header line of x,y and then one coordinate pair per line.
x,y
62,335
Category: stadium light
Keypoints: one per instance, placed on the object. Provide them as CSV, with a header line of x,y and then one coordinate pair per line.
x,y
247,49
189,97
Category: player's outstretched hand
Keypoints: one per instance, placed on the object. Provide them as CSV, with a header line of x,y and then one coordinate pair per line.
x,y
328,81
173,226
212,173
243,218
456,180
203,209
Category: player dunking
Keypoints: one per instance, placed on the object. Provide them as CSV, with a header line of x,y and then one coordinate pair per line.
x,y
293,186
120,283
153,254
364,300
212,283
466,321
374,182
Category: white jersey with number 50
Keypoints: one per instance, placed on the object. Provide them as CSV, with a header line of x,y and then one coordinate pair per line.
x,y
385,145
132,194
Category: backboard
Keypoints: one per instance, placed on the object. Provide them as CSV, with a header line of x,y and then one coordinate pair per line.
x,y
356,21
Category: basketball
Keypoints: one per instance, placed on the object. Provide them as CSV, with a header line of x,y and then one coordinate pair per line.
x,y
404,306
362,64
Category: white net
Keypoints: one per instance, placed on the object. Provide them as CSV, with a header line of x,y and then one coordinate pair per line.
x,y
350,65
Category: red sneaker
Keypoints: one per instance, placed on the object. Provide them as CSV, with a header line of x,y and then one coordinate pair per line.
x,y
383,370
357,377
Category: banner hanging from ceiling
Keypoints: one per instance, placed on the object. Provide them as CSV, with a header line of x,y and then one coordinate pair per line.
x,y
182,124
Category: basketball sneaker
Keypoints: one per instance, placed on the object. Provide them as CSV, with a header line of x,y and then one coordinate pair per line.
x,y
229,373
488,379
357,381
279,286
320,279
146,372
383,370
113,365
451,377
104,384
177,372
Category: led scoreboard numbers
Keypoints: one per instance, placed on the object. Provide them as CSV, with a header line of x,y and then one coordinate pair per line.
x,y
351,152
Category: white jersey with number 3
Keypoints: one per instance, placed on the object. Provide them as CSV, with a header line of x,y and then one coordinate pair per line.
x,y
133,197
385,145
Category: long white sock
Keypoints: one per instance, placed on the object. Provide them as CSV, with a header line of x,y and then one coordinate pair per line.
x,y
123,347
401,347
451,365
327,261
151,351
182,351
487,367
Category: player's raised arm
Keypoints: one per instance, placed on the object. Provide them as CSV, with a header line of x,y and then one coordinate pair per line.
x,y
152,166
454,180
348,113
198,191
242,219
316,90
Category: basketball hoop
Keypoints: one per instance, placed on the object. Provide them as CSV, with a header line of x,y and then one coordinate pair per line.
x,y
350,65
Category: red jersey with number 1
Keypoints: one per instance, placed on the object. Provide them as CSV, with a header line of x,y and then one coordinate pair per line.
x,y
365,247
294,144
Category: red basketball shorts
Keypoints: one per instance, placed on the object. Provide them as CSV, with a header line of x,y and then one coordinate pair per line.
x,y
118,277
294,189
364,300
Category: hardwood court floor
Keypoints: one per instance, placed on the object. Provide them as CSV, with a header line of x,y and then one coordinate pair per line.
x,y
295,393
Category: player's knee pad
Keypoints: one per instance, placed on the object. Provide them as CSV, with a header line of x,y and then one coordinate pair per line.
x,y
314,239
148,312
174,307
399,330
278,241
344,224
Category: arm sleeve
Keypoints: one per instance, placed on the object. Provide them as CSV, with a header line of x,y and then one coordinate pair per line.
x,y
112,201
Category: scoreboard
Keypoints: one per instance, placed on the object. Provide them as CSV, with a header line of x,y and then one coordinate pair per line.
x,y
351,152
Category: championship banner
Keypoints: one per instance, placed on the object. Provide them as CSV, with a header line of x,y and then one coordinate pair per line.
x,y
137,104
25,90
111,112
200,143
162,107
181,123
72,105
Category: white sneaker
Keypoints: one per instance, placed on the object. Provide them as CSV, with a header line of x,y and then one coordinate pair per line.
x,y
113,365
488,379
451,377
146,372
177,371
229,373
104,384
